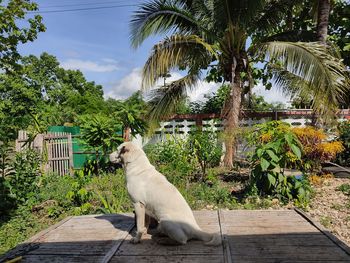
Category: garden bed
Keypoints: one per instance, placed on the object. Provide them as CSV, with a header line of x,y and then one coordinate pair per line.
x,y
331,207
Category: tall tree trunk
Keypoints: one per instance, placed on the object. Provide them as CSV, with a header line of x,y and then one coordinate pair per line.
x,y
231,114
324,7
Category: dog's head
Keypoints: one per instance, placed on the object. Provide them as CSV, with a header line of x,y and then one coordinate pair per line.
x,y
125,153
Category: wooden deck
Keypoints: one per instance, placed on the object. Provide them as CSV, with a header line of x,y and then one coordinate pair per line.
x,y
248,236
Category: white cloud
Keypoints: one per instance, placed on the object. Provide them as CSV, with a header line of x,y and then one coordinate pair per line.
x,y
126,86
87,65
132,82
202,88
272,95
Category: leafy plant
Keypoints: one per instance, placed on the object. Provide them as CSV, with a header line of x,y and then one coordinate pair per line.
x,y
23,183
206,148
345,188
110,193
277,148
173,158
131,113
6,160
99,132
79,195
343,158
218,31
316,149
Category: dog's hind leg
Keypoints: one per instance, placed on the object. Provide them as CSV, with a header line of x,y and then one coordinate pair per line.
x,y
174,231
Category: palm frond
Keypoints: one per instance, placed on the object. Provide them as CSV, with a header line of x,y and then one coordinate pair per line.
x,y
292,36
272,14
238,12
177,51
313,66
164,101
159,16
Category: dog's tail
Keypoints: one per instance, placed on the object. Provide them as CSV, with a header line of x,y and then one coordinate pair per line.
x,y
210,239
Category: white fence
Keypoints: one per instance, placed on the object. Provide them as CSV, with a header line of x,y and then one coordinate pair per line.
x,y
182,125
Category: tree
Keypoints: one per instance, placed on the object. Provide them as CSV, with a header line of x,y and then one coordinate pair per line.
x,y
131,113
214,34
43,89
12,33
99,132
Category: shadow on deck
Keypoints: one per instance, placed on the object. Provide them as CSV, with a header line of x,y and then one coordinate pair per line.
x,y
248,236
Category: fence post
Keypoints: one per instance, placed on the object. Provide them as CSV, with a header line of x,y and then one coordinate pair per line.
x,y
70,154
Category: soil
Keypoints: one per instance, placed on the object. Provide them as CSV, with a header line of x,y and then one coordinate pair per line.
x,y
331,207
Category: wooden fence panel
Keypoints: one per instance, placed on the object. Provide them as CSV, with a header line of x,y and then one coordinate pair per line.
x,y
60,152
56,148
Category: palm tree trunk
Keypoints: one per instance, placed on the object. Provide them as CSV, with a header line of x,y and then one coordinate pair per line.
x,y
322,20
231,113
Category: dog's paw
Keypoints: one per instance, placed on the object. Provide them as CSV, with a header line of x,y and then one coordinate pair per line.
x,y
135,240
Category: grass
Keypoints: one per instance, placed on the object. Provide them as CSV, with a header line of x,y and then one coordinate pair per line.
x,y
326,221
345,188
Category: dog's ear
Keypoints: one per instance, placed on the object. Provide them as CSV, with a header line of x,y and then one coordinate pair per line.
x,y
124,150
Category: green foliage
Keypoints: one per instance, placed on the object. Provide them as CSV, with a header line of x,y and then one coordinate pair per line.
x,y
258,103
344,136
99,132
110,193
173,158
277,148
130,113
23,183
214,102
18,228
41,92
79,196
345,188
16,29
206,147
6,159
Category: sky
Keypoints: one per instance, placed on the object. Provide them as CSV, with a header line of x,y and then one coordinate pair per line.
x,y
96,41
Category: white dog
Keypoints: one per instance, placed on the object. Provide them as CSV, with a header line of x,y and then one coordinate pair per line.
x,y
153,195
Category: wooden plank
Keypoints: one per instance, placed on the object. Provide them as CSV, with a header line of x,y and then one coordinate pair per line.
x,y
292,240
93,236
116,245
60,259
169,259
22,248
207,220
39,236
272,260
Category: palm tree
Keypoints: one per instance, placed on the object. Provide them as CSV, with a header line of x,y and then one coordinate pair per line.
x,y
323,10
214,33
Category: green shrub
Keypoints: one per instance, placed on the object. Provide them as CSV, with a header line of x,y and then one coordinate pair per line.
x,y
206,147
277,148
23,183
110,194
344,136
173,158
60,194
345,188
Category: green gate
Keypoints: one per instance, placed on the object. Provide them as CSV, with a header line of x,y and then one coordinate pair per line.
x,y
80,152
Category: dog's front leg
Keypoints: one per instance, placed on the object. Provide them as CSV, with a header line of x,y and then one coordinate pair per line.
x,y
140,222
